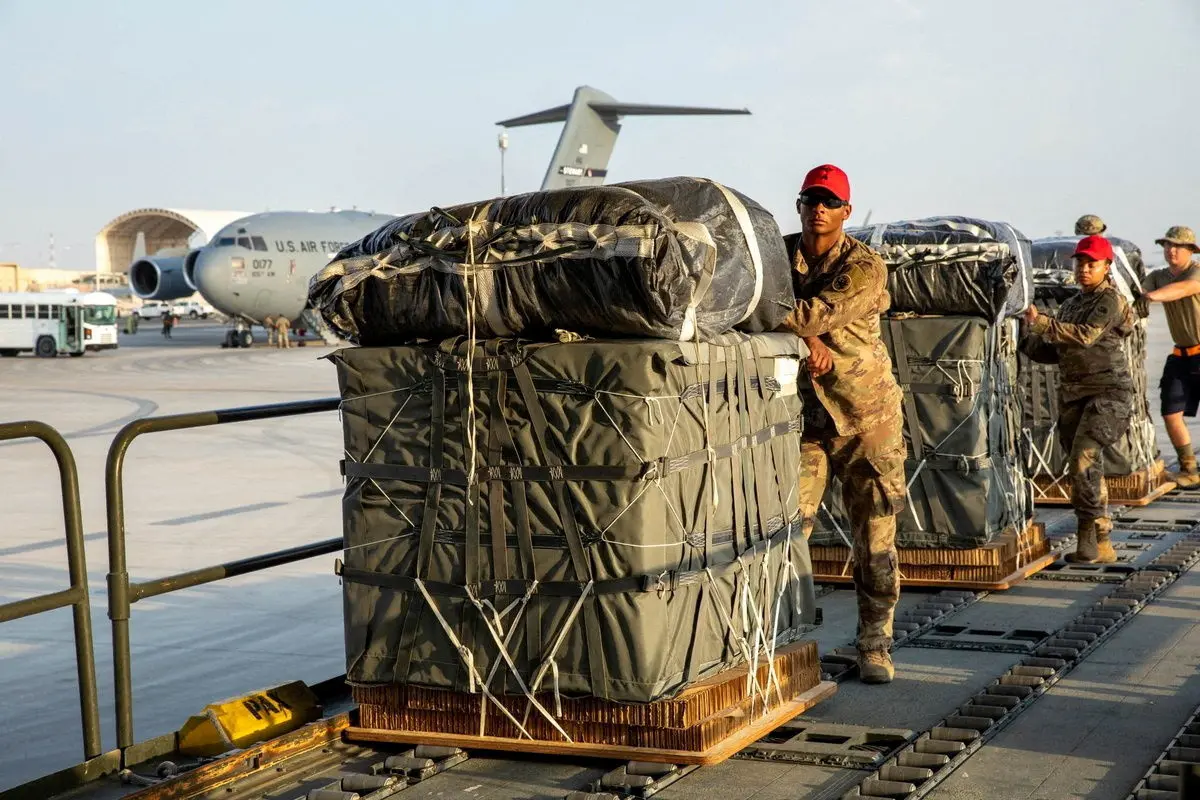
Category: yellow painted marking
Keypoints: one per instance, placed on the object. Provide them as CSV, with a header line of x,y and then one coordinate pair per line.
x,y
242,721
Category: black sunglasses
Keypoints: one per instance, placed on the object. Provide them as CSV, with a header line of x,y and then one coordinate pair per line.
x,y
829,201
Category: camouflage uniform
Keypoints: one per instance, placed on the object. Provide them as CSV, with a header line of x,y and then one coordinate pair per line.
x,y
1089,225
1095,386
269,324
852,420
281,327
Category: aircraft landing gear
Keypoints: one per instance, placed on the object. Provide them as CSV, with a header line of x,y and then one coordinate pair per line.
x,y
239,337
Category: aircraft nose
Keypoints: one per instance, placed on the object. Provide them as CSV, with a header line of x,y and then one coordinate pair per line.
x,y
213,275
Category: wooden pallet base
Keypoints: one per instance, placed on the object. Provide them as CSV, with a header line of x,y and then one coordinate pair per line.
x,y
997,566
1135,491
714,755
1163,489
414,707
979,585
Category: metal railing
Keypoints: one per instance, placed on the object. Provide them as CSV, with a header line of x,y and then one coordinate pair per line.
x,y
77,595
122,593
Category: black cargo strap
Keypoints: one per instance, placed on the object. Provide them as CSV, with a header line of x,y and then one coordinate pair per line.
x,y
661,583
433,495
458,477
647,471
451,362
597,666
495,490
949,462
941,389
941,520
414,611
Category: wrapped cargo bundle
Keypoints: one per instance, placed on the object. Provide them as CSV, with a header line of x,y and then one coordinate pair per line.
x,y
966,484
679,258
953,266
616,519
1131,464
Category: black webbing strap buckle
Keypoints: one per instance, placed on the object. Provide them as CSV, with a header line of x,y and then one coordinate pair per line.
x,y
660,584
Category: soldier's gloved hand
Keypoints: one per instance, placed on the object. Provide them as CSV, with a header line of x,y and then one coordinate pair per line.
x,y
1141,306
820,360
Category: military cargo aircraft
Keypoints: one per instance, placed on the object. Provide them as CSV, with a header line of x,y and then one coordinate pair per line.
x,y
260,265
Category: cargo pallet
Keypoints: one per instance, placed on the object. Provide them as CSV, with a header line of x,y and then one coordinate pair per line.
x,y
1138,489
706,724
998,565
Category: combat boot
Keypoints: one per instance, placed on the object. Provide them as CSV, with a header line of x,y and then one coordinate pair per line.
x,y
1105,554
1086,551
1188,477
875,666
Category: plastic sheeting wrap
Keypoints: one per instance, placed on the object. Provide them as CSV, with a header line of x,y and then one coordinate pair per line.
x,y
679,258
631,523
1053,266
954,265
962,418
1137,449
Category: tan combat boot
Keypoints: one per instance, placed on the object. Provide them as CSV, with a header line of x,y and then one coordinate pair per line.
x,y
1105,554
1188,476
875,666
1086,551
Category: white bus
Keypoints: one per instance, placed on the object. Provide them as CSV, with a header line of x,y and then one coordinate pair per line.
x,y
51,323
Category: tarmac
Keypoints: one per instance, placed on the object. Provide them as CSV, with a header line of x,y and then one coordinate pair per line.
x,y
192,498
195,498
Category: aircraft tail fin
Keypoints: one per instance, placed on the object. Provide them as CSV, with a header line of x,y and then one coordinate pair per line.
x,y
593,122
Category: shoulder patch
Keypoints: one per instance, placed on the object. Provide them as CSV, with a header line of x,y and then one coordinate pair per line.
x,y
841,283
1109,303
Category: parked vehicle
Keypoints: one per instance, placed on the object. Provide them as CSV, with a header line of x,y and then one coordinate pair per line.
x,y
50,323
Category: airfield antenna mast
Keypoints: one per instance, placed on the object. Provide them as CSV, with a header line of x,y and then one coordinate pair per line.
x,y
502,141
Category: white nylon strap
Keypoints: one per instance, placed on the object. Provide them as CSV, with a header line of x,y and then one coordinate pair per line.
x,y
743,220
877,235
549,664
468,660
502,645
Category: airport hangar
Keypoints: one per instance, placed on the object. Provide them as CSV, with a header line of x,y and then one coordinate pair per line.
x,y
173,230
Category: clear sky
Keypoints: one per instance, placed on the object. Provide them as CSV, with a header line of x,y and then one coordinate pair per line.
x,y
1030,111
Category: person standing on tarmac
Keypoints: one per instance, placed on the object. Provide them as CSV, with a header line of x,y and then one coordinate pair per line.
x,y
1095,388
853,422
272,333
281,326
1177,287
1089,225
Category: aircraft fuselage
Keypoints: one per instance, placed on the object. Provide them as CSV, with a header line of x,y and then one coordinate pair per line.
x,y
260,265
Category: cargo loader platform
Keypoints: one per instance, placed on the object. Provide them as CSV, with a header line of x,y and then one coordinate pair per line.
x,y
952,704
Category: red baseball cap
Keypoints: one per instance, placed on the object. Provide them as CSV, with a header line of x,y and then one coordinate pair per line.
x,y
1096,248
829,178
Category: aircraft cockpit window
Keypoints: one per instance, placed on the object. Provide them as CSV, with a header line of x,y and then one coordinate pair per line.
x,y
244,241
225,241
259,243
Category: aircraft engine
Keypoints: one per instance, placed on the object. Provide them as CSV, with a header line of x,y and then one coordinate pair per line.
x,y
189,266
159,278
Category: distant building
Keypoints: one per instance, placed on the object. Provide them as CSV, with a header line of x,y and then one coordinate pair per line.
x,y
15,278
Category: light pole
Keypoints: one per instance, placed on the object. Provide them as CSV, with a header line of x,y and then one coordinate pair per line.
x,y
502,141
